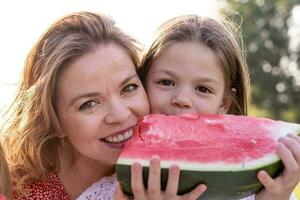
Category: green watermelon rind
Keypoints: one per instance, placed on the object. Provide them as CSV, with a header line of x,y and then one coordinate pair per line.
x,y
220,184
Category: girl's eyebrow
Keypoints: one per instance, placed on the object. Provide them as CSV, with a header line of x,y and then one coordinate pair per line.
x,y
200,79
208,80
165,71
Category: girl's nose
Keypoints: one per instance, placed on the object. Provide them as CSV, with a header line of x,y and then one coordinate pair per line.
x,y
118,112
182,99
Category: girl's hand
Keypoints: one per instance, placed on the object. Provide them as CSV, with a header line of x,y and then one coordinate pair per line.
x,y
282,186
154,191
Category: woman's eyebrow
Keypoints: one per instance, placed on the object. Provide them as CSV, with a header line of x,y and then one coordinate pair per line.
x,y
126,80
90,94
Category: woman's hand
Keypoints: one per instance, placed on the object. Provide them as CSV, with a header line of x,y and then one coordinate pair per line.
x,y
282,186
154,186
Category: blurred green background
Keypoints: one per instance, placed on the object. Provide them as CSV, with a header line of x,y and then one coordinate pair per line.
x,y
271,34
272,45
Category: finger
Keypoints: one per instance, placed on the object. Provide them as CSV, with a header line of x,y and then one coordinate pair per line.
x,y
195,193
293,145
173,180
288,159
295,137
268,182
296,144
137,184
119,195
154,178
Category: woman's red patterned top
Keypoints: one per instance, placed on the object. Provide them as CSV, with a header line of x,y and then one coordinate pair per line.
x,y
49,187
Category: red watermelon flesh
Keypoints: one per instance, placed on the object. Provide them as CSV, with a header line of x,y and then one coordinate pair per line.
x,y
235,142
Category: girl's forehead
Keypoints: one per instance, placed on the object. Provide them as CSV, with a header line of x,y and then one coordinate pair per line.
x,y
189,59
188,53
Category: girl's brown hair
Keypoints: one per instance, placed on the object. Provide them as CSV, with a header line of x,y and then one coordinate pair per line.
x,y
218,36
31,125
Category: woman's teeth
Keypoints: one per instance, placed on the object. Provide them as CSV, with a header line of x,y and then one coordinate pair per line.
x,y
119,138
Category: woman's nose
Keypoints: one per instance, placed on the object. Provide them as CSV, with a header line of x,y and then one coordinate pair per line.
x,y
182,99
118,112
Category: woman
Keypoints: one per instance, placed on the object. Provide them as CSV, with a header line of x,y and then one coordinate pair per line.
x,y
77,104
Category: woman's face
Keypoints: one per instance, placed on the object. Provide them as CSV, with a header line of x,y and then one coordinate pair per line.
x,y
99,101
186,78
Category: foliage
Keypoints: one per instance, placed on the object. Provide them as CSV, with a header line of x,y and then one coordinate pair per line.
x,y
265,26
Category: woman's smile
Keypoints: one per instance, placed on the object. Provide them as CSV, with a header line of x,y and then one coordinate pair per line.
x,y
119,139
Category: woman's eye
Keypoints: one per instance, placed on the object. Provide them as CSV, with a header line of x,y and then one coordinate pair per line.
x,y
129,88
203,89
88,105
166,82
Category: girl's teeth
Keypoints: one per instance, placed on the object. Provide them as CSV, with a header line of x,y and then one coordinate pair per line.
x,y
119,138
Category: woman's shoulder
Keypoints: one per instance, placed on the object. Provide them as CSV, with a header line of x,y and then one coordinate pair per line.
x,y
50,187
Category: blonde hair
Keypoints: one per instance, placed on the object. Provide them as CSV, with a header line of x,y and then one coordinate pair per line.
x,y
218,36
5,183
31,124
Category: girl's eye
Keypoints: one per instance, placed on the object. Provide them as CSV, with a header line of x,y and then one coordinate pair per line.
x,y
203,89
88,105
166,82
129,88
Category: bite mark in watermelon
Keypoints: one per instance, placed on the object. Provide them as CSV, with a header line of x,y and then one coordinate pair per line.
x,y
223,151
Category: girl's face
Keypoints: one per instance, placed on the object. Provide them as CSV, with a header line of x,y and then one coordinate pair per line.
x,y
99,101
186,78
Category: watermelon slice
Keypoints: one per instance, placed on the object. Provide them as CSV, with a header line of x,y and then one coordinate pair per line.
x,y
223,151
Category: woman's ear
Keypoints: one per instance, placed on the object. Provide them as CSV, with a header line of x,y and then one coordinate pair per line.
x,y
61,137
227,101
60,134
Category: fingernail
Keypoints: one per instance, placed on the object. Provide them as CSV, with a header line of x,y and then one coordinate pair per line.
x,y
136,166
202,188
282,138
117,183
155,160
156,157
291,135
263,174
174,169
175,166
281,146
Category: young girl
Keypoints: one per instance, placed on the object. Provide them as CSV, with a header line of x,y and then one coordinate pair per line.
x,y
196,65
5,184
76,107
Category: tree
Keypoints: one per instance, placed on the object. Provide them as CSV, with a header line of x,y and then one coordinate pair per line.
x,y
265,29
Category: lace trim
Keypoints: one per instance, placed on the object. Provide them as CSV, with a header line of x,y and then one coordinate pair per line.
x,y
101,190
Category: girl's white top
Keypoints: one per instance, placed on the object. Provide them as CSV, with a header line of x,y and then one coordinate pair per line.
x,y
101,190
